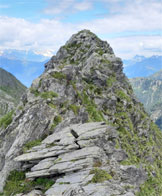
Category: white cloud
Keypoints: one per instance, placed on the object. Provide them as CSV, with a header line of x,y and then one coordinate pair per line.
x,y
57,6
49,35
66,6
127,47
82,6
21,34
133,16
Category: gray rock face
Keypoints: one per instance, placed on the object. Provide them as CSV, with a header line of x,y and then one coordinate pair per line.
x,y
32,193
76,162
79,124
25,127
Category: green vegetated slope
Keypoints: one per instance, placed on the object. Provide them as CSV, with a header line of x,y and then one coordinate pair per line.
x,y
84,83
10,91
149,91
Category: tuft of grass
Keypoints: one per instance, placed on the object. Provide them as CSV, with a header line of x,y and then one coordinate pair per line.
x,y
94,114
121,94
35,92
151,187
56,121
6,119
48,94
99,176
106,61
52,105
100,51
31,144
74,108
61,183
59,75
46,183
44,95
20,107
110,81
17,183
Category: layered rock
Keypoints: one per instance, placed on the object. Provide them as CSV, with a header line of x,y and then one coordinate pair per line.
x,y
75,154
89,131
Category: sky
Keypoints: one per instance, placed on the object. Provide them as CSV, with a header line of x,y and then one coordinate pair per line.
x,y
130,27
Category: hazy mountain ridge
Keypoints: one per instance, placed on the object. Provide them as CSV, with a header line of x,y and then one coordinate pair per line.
x,y
10,91
24,70
149,91
141,66
81,130
23,55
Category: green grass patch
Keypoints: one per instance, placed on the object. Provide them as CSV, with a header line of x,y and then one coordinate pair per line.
x,y
35,92
100,51
99,176
56,121
105,61
152,187
59,75
110,81
74,108
6,119
31,144
139,148
61,183
122,95
52,105
16,183
48,95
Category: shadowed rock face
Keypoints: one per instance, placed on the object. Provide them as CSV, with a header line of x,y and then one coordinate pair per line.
x,y
92,132
11,91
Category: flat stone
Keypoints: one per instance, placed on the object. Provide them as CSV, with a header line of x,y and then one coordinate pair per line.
x,y
65,167
44,164
41,154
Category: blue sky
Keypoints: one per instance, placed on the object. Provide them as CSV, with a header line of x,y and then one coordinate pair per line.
x,y
131,27
44,25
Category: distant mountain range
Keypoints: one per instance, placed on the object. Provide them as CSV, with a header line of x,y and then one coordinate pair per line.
x,y
149,91
23,55
11,90
26,66
141,66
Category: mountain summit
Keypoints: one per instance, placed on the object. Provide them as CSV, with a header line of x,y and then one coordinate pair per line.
x,y
81,131
80,47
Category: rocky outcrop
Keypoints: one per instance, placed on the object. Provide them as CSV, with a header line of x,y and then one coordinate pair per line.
x,y
75,154
81,131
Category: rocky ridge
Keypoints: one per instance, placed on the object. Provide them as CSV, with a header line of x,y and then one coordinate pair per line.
x,y
149,91
11,91
81,131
